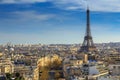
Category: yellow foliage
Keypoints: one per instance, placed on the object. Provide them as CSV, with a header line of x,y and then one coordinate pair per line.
x,y
45,64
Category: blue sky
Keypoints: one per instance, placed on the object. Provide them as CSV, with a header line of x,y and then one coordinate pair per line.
x,y
58,21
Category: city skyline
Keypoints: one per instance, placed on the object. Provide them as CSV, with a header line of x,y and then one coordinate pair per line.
x,y
50,21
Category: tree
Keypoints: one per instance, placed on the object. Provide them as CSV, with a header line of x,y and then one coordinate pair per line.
x,y
57,75
8,76
18,77
17,74
54,63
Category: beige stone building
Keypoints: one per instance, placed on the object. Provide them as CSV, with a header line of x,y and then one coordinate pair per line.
x,y
6,66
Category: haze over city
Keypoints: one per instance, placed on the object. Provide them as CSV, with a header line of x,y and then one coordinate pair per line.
x,y
58,22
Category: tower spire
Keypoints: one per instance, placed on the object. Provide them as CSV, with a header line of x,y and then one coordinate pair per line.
x,y
88,33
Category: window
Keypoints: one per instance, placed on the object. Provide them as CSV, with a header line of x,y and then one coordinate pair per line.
x,y
118,67
114,67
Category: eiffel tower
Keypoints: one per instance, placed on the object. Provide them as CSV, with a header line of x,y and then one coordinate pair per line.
x,y
88,45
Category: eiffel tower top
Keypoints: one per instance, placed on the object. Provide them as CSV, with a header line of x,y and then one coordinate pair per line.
x,y
88,31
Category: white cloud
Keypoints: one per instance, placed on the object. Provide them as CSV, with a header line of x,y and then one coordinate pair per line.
x,y
33,15
21,1
94,5
29,15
